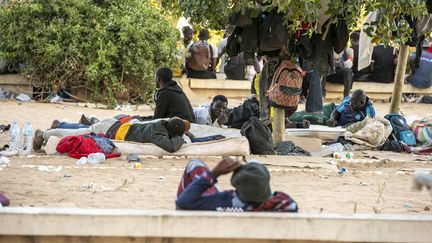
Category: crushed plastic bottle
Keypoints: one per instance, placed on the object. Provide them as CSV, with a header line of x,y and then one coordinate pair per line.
x,y
14,135
343,155
27,145
329,150
95,158
82,161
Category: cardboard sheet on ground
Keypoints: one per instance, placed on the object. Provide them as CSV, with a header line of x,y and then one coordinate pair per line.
x,y
233,145
317,131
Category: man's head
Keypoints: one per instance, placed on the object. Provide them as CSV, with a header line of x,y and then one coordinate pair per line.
x,y
358,99
204,35
163,76
177,126
187,34
355,37
218,106
252,183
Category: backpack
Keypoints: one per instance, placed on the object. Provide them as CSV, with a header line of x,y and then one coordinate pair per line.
x,y
259,136
200,59
286,85
401,131
235,68
273,33
241,114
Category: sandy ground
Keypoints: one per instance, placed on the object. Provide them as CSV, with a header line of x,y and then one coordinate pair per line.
x,y
381,184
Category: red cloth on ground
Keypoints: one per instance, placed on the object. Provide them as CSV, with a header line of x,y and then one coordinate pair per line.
x,y
81,146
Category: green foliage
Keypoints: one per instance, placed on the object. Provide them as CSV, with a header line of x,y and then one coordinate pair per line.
x,y
109,46
307,11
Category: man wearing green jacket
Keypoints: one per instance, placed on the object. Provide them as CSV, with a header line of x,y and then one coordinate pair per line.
x,y
166,134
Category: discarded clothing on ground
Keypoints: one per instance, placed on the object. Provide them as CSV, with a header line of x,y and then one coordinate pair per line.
x,y
372,132
83,145
207,139
427,99
393,145
289,148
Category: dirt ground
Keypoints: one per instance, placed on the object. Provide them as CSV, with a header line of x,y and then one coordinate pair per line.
x,y
379,184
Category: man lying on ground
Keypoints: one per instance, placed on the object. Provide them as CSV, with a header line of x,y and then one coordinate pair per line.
x,y
164,134
197,190
213,114
353,109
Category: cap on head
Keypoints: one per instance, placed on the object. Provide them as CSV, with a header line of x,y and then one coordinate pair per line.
x,y
187,30
252,183
164,74
177,126
204,34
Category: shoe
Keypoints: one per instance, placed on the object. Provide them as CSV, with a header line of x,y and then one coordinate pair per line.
x,y
38,140
85,120
55,124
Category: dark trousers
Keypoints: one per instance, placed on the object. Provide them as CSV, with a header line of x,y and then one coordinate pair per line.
x,y
341,76
313,92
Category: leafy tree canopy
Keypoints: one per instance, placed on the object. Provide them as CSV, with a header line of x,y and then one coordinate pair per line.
x,y
214,13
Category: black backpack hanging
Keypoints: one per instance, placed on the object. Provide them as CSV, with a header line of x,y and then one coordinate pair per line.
x,y
272,32
233,43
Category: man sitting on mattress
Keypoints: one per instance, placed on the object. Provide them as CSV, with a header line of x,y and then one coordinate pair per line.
x,y
166,134
197,190
353,109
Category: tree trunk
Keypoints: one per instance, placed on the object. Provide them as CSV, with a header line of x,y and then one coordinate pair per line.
x,y
399,79
278,125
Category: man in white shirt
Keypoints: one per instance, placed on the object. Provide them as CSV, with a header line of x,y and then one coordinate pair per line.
x,y
213,114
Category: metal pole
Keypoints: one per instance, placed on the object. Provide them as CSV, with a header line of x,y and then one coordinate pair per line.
x,y
399,79
278,125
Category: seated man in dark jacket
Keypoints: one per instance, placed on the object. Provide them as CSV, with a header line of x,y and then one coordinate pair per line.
x,y
170,99
164,134
353,109
251,181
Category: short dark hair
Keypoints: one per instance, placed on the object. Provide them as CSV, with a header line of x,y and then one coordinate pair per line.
x,y
355,35
221,98
187,30
165,74
176,126
204,34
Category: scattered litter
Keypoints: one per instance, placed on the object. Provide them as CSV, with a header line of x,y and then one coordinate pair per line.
x,y
342,171
407,205
343,155
67,175
402,173
49,168
56,99
81,161
23,98
133,158
4,161
378,172
364,184
123,108
332,162
161,178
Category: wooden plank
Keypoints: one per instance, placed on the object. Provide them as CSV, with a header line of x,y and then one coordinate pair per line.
x,y
170,224
372,87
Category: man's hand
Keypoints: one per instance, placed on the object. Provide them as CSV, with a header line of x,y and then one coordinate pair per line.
x,y
225,166
222,119
331,122
190,135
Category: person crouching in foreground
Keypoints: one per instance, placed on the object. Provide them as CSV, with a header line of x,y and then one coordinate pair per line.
x,y
197,190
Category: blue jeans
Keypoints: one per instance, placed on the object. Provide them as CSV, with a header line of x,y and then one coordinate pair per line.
x,y
314,97
68,125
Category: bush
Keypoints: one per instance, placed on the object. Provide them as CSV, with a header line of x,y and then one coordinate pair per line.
x,y
109,46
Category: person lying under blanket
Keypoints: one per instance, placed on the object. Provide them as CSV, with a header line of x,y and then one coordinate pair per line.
x,y
166,134
197,190
353,109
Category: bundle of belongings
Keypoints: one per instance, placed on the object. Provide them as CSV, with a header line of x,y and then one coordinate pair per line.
x,y
423,134
83,145
372,132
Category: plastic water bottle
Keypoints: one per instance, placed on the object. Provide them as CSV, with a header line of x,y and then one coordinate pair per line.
x,y
28,139
14,136
95,158
329,150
